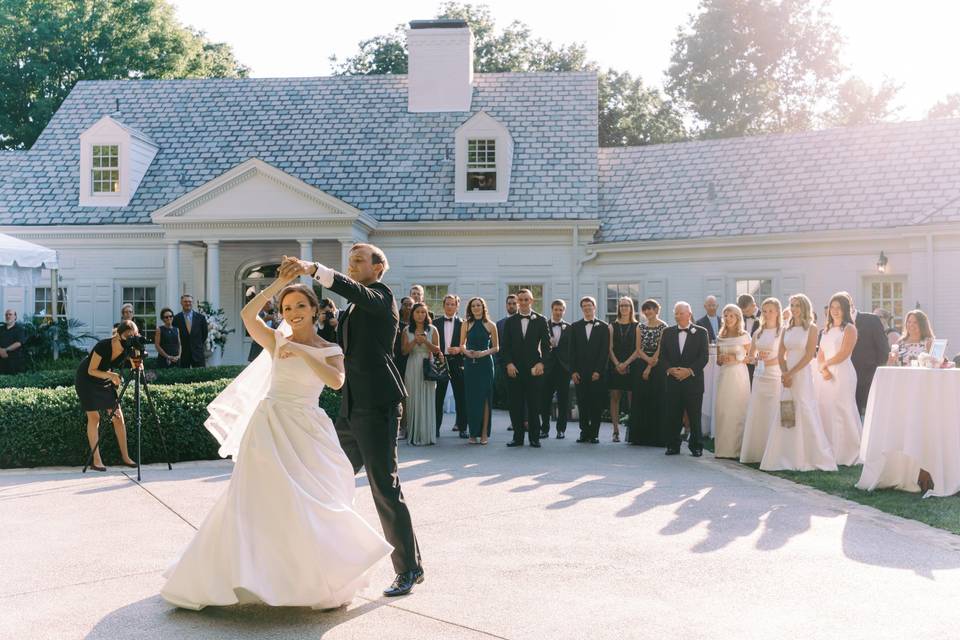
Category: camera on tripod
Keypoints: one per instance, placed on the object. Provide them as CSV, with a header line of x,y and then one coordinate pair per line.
x,y
134,347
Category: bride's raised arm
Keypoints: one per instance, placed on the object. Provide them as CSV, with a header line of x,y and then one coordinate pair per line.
x,y
250,315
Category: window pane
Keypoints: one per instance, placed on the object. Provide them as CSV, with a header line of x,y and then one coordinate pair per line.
x,y
617,291
144,304
481,181
535,289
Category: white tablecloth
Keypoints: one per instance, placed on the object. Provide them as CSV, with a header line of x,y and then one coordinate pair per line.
x,y
709,392
912,423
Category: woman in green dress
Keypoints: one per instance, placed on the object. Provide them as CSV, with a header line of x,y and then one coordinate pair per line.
x,y
479,341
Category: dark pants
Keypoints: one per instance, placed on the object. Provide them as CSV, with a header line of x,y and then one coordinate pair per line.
x,y
526,396
188,361
556,382
590,400
864,380
369,438
676,400
456,380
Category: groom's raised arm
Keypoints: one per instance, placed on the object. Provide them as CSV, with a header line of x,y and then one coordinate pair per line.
x,y
364,297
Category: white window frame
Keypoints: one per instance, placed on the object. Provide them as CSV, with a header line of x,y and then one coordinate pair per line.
x,y
437,309
610,315
64,300
758,298
482,126
113,154
891,279
159,304
539,302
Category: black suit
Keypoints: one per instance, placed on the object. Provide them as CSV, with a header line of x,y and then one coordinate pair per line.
x,y
370,407
455,367
757,321
524,351
705,323
686,395
870,352
499,370
193,341
587,357
557,379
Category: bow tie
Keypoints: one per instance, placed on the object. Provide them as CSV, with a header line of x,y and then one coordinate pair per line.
x,y
523,317
687,330
556,324
449,319
590,322
749,317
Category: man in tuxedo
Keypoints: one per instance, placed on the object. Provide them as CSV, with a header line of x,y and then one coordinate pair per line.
x,y
524,344
589,352
500,367
192,327
684,352
870,352
748,306
448,325
370,406
557,375
711,322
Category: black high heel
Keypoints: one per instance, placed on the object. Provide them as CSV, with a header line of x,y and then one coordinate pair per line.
x,y
94,467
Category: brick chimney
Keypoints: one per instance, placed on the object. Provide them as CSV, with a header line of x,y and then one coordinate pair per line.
x,y
440,66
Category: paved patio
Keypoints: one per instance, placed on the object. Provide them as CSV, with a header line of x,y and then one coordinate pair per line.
x,y
568,541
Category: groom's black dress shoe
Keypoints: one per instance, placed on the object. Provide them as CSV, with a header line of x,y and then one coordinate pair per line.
x,y
697,453
513,443
404,583
560,436
535,445
672,452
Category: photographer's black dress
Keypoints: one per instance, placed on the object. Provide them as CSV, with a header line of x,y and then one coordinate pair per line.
x,y
95,393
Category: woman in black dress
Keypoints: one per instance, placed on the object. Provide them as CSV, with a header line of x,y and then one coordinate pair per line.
x,y
97,388
645,411
623,351
167,341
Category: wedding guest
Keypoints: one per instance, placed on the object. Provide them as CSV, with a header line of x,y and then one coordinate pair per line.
x,y
684,352
126,313
399,359
589,352
893,335
478,342
327,320
557,374
420,341
870,352
786,316
501,372
917,338
748,306
266,314
12,339
733,384
763,410
192,326
525,343
97,388
710,322
837,391
645,412
804,445
416,294
623,351
167,341
448,328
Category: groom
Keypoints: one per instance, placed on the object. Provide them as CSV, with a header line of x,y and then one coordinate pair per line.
x,y
370,409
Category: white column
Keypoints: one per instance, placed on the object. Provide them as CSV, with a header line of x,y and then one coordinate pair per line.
x,y
173,274
213,286
306,253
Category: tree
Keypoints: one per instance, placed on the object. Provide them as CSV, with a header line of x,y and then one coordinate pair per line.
x,y
629,113
858,103
949,107
752,66
46,46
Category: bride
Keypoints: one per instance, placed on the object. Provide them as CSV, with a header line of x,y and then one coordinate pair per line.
x,y
285,532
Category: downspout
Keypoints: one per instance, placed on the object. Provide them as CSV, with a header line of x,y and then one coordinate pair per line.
x,y
588,255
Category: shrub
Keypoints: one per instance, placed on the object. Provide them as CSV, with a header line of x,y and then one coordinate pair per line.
x,y
65,377
44,427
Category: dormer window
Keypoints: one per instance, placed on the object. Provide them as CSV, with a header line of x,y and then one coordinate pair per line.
x,y
484,158
482,165
105,167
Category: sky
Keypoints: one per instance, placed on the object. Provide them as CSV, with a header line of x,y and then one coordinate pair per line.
x,y
913,42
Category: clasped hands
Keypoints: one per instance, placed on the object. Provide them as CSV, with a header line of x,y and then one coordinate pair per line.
x,y
291,268
535,371
679,373
595,377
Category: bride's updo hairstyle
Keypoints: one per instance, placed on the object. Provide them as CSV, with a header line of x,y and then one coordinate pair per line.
x,y
307,292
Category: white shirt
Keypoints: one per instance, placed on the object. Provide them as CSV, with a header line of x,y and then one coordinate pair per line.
x,y
555,333
748,325
524,323
589,327
447,333
683,336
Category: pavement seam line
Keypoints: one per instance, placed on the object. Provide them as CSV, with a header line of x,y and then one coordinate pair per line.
x,y
80,584
435,619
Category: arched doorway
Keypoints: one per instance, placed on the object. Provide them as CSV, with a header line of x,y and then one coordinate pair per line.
x,y
253,280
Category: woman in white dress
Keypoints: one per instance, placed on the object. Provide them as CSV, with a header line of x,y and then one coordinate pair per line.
x,y
837,389
285,532
733,384
420,340
804,446
763,411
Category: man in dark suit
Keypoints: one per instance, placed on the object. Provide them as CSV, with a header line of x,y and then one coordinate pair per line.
x,y
557,375
500,368
370,406
589,352
192,326
711,321
870,352
525,344
684,352
748,306
448,326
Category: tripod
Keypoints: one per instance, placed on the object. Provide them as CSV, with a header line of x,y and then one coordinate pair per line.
x,y
138,380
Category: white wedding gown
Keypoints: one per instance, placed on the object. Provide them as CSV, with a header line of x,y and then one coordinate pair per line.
x,y
285,532
732,398
837,398
763,411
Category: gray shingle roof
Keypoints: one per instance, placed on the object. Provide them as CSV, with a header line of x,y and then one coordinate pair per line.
x,y
351,137
883,175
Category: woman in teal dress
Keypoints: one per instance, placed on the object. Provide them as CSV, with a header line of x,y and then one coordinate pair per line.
x,y
478,338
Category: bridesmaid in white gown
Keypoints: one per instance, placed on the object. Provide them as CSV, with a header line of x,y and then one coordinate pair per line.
x,y
733,384
803,447
285,532
837,389
764,409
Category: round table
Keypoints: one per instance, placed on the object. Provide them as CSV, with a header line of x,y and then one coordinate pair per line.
x,y
912,423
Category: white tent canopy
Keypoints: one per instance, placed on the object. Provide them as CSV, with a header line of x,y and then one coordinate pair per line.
x,y
21,262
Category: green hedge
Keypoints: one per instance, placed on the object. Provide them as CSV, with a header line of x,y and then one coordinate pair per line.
x,y
65,377
46,427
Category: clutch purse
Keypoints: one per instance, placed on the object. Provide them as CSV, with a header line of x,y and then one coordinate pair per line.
x,y
435,370
788,415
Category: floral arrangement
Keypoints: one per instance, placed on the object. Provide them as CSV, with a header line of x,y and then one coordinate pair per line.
x,y
217,329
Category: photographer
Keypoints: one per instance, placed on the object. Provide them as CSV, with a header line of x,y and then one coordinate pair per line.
x,y
97,386
327,322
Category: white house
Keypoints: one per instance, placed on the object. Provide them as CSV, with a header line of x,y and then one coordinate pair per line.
x,y
473,184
